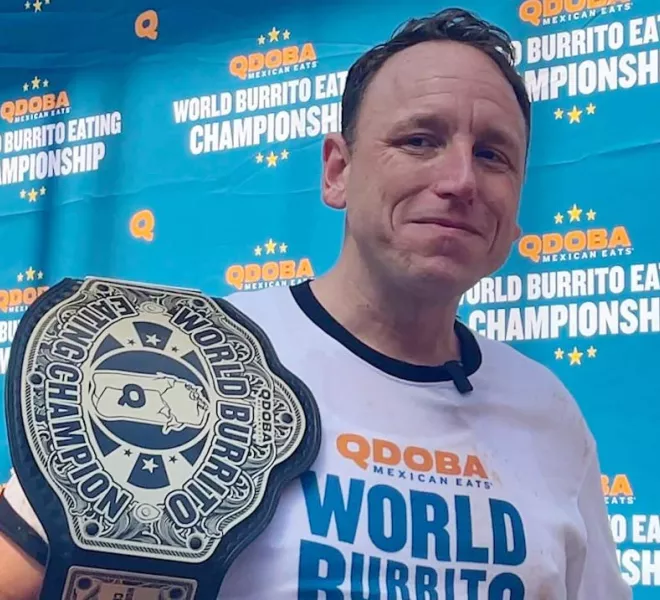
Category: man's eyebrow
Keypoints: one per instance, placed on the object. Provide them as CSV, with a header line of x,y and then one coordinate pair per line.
x,y
500,136
423,121
503,136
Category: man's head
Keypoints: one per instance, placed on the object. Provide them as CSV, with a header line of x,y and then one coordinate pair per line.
x,y
431,159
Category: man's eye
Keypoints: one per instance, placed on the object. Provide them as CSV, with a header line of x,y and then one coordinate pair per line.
x,y
490,154
419,141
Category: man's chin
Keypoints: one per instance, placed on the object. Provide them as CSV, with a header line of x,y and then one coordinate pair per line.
x,y
443,277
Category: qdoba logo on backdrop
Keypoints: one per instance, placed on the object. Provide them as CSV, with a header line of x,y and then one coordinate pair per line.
x,y
579,243
274,61
617,489
37,105
269,272
18,298
551,12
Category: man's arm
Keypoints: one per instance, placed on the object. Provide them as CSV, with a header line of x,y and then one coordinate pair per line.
x,y
23,551
594,573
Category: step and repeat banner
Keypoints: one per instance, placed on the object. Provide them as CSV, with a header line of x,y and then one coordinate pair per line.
x,y
179,143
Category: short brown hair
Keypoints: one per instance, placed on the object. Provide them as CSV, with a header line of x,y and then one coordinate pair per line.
x,y
454,24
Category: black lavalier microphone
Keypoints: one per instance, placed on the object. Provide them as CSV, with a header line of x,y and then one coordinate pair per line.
x,y
458,376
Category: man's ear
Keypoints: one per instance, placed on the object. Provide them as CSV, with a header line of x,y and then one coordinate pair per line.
x,y
336,167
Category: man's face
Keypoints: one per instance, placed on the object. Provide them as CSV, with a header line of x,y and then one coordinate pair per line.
x,y
432,186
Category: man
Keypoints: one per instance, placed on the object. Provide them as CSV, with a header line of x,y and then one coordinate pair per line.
x,y
451,466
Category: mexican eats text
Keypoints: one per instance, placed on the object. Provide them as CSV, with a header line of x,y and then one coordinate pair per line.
x,y
64,396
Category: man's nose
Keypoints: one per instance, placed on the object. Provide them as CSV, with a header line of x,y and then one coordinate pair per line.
x,y
456,176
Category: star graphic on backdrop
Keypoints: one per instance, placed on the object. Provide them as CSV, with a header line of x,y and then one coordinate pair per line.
x,y
37,5
591,215
284,154
257,251
23,193
270,246
576,357
19,277
272,159
26,87
559,354
575,115
591,352
559,114
42,191
46,1
131,342
591,109
260,158
153,339
175,349
173,459
40,275
273,34
45,82
574,213
128,452
286,34
35,83
261,40
283,248
559,219
149,465
30,274
27,5
32,195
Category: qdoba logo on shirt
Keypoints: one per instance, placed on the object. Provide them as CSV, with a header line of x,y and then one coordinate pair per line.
x,y
414,463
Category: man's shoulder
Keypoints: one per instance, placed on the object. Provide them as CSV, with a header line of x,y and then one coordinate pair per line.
x,y
533,387
510,364
262,301
274,309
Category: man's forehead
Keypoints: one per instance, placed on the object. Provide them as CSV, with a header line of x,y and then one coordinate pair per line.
x,y
416,78
430,66
443,57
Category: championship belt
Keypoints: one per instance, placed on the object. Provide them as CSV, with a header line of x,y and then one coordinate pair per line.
x,y
152,430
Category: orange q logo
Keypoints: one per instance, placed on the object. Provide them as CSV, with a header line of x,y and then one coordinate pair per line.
x,y
11,109
142,225
532,11
241,66
146,25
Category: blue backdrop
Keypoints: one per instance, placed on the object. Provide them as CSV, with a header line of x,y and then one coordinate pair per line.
x,y
179,142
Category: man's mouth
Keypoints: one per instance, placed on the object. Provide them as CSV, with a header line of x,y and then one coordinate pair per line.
x,y
448,223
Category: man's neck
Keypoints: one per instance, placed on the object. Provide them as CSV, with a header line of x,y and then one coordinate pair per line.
x,y
392,323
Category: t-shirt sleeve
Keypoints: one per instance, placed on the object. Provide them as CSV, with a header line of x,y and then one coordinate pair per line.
x,y
20,523
596,570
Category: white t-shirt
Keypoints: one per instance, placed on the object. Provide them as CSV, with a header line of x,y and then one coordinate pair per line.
x,y
421,492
